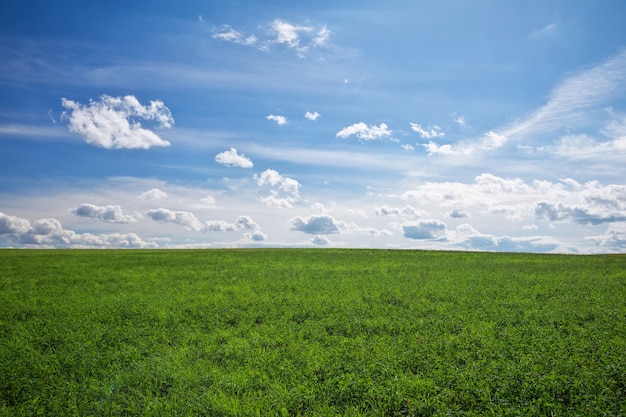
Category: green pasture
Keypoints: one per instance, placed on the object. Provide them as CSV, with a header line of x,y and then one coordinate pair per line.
x,y
320,332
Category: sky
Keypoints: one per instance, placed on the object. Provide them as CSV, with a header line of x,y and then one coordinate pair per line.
x,y
452,125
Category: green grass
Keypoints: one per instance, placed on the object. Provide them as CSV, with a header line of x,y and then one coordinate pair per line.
x,y
311,332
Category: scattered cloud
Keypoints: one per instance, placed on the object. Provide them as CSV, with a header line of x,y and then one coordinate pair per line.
x,y
428,133
109,213
320,240
182,218
13,225
312,116
242,223
232,158
460,120
257,236
548,29
153,194
280,120
457,214
284,191
113,122
424,229
365,132
406,211
50,233
317,224
435,149
227,34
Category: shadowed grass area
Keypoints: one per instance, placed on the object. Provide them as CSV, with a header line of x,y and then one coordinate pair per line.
x,y
311,332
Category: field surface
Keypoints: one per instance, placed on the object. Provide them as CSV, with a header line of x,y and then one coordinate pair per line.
x,y
288,332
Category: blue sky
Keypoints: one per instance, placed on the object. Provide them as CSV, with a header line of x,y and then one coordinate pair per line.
x,y
463,125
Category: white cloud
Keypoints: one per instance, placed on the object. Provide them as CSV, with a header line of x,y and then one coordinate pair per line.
x,y
108,213
424,229
569,103
243,222
322,37
50,233
228,34
13,225
257,236
287,34
363,131
493,140
468,237
320,240
113,122
312,116
613,240
435,149
232,158
285,191
317,224
428,133
153,194
460,120
280,120
182,218
406,211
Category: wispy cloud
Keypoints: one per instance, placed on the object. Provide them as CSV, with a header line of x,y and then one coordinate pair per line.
x,y
572,97
228,34
546,30
113,122
428,133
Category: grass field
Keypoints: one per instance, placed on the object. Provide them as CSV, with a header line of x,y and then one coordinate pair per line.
x,y
287,332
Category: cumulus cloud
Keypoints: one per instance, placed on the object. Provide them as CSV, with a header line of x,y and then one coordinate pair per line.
x,y
363,131
108,213
317,224
424,229
114,122
13,225
280,120
457,214
590,213
320,240
243,222
428,133
614,239
493,140
312,116
182,218
257,236
153,194
50,233
406,211
284,191
232,158
435,149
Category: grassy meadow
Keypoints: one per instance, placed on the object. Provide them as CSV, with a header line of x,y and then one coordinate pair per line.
x,y
320,332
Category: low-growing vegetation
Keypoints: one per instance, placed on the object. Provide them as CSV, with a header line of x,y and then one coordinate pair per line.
x,y
288,332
